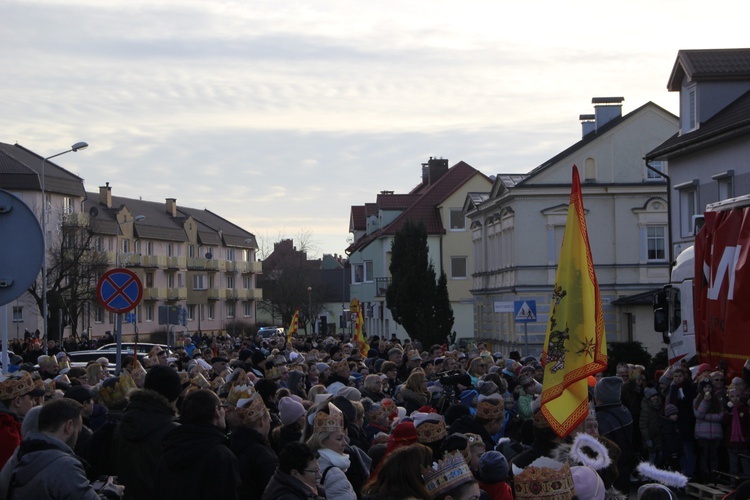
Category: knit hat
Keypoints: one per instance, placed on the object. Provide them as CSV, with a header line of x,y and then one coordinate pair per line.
x,y
650,392
322,367
290,410
258,357
350,393
467,397
493,467
587,483
244,354
403,434
608,390
670,410
164,380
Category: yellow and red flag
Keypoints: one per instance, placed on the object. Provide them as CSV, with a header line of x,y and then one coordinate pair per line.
x,y
575,346
359,330
293,326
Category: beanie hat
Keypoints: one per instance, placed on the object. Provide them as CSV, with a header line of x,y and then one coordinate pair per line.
x,y
258,357
493,467
322,367
350,393
608,390
587,483
78,393
650,392
164,380
244,354
290,410
670,410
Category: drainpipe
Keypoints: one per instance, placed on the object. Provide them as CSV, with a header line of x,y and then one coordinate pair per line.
x,y
669,210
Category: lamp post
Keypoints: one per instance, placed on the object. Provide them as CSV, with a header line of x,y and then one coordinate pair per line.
x,y
309,308
78,146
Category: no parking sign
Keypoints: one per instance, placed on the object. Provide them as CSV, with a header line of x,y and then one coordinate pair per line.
x,y
119,290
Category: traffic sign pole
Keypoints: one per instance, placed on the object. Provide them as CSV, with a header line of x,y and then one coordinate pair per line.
x,y
118,356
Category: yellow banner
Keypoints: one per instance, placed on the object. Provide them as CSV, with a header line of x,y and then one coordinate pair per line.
x,y
359,334
575,346
293,326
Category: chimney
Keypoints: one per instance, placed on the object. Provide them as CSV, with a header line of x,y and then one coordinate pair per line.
x,y
425,173
606,109
436,169
105,195
588,124
172,207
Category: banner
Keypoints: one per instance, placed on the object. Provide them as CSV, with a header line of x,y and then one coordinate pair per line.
x,y
575,346
359,330
293,326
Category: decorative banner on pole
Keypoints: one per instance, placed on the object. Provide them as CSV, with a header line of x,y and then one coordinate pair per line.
x,y
575,346
359,329
293,326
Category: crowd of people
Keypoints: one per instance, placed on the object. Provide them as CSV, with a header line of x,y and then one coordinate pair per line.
x,y
316,418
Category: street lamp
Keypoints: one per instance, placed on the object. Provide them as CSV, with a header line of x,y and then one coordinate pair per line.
x,y
309,308
78,146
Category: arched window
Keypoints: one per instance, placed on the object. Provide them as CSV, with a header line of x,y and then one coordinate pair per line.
x,y
589,170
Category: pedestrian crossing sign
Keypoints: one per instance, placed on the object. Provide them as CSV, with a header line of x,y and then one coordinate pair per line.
x,y
525,311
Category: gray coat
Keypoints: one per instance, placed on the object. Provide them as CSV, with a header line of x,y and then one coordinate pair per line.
x,y
45,467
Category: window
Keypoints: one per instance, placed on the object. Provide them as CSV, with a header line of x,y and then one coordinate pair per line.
x,y
230,309
99,244
657,242
67,205
149,280
368,271
247,282
17,314
458,221
209,254
191,251
726,187
230,254
688,208
98,314
589,170
211,311
247,309
692,110
125,246
458,267
230,281
199,282
211,283
110,245
149,248
149,312
170,280
170,249
247,255
358,273
179,280
653,176
191,312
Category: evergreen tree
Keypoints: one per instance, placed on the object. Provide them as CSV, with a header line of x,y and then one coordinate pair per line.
x,y
413,293
444,318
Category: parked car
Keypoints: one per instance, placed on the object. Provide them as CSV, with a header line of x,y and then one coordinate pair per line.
x,y
270,331
83,358
143,347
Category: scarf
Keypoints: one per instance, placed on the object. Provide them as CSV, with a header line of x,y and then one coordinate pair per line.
x,y
337,460
736,435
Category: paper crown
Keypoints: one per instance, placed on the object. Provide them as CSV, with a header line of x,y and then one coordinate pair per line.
x,y
333,421
274,373
184,377
115,391
249,410
430,427
200,381
378,413
544,478
447,474
340,365
491,407
138,373
49,388
18,384
240,391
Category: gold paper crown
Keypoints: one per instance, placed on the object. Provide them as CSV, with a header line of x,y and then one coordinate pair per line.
x,y
333,421
429,431
138,373
200,381
273,373
251,411
491,409
338,365
49,388
116,393
544,482
378,412
447,474
184,377
14,385
240,391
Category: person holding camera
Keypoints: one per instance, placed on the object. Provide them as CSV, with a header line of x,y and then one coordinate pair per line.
x,y
708,432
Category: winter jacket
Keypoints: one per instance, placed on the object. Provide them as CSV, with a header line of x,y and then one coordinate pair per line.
x,y
197,464
671,438
255,459
707,425
412,400
682,396
467,425
616,423
45,467
648,422
497,491
99,449
136,442
744,415
283,486
333,468
10,433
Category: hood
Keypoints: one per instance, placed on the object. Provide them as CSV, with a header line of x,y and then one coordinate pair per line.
x,y
182,444
244,437
36,453
147,412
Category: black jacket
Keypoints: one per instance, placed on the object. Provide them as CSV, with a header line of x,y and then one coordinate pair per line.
x,y
197,464
285,487
136,442
255,459
616,423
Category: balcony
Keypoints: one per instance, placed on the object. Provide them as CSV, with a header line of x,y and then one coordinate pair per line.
x,y
246,267
217,294
255,294
381,286
130,260
176,262
176,293
154,293
216,265
196,263
154,261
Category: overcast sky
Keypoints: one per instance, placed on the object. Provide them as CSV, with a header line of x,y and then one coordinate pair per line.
x,y
279,115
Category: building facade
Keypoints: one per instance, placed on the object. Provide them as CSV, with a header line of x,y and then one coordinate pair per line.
x,y
517,229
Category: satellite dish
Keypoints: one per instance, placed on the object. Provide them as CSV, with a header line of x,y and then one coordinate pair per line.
x,y
209,255
93,212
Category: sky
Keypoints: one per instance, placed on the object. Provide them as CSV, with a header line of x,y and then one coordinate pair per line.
x,y
281,115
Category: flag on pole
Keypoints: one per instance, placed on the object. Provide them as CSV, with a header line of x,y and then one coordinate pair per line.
x,y
359,332
293,326
575,346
